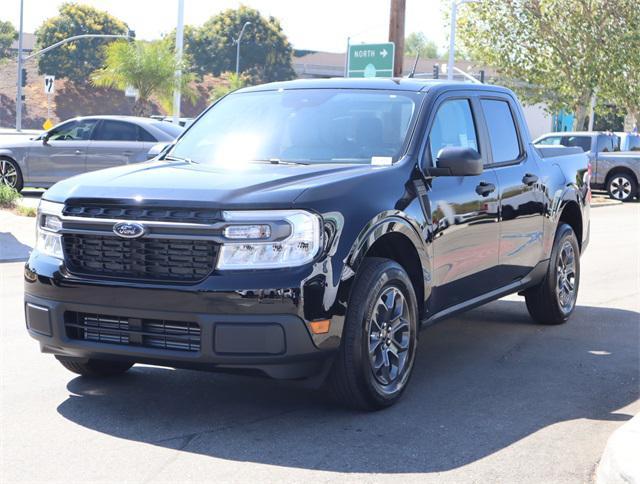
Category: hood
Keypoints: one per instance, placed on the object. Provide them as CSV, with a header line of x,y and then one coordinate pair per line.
x,y
255,185
11,141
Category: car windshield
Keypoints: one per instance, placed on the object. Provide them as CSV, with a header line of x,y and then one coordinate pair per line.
x,y
301,125
169,128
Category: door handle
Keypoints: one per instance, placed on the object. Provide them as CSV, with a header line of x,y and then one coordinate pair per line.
x,y
529,179
485,188
78,152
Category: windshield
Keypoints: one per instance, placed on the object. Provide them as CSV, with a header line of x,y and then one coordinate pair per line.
x,y
169,128
302,125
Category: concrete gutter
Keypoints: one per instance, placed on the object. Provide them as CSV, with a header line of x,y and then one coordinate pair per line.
x,y
620,462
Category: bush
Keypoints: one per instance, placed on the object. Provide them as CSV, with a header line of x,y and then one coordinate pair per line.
x,y
8,197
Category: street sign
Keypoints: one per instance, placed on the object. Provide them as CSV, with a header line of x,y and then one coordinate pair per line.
x,y
49,84
47,125
371,60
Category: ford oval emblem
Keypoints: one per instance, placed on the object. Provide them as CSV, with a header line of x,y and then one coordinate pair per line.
x,y
128,230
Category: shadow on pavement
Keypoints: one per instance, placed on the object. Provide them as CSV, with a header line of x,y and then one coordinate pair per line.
x,y
482,382
11,249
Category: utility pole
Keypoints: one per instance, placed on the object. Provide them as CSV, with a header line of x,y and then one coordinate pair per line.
x,y
238,40
19,90
396,33
178,73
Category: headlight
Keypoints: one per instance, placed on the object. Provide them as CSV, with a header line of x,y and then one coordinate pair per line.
x,y
48,241
295,239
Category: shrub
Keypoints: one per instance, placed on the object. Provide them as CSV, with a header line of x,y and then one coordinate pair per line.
x,y
8,196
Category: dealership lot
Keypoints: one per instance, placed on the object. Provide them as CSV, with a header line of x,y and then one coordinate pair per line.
x,y
494,397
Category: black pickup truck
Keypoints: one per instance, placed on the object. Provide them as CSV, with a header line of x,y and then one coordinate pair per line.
x,y
308,230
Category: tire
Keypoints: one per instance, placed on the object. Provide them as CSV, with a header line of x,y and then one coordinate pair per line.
x,y
622,186
10,174
94,368
554,299
354,379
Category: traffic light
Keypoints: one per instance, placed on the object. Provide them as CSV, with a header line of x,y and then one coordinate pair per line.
x,y
24,77
436,71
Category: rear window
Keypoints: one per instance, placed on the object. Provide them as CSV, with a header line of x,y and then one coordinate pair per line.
x,y
503,135
171,129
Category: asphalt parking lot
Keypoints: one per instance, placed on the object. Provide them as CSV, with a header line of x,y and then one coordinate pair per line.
x,y
494,398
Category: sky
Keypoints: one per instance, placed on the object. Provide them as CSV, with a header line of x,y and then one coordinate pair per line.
x,y
309,24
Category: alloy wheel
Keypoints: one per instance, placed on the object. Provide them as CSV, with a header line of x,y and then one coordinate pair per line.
x,y
620,187
8,174
390,337
566,277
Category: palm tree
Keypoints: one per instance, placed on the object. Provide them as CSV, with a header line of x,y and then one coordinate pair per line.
x,y
230,81
149,67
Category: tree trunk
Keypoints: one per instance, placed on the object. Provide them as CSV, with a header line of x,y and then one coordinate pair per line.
x,y
631,121
579,117
141,107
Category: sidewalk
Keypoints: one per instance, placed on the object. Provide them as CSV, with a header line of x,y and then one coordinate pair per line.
x,y
17,236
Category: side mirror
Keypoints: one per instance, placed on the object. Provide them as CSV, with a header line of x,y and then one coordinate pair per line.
x,y
456,161
45,138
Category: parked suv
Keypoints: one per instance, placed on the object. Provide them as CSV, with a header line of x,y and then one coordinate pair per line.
x,y
614,158
309,229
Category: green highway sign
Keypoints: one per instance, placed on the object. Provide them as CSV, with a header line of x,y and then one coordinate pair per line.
x,y
370,60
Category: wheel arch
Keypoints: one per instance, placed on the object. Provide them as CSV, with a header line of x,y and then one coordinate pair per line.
x,y
397,238
620,169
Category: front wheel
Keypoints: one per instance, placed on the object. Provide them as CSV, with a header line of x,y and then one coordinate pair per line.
x,y
10,174
622,186
94,368
554,299
379,342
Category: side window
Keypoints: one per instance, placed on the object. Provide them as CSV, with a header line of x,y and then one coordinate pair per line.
x,y
72,131
110,130
550,141
144,135
453,126
503,135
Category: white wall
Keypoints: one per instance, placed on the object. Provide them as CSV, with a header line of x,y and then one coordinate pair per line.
x,y
539,121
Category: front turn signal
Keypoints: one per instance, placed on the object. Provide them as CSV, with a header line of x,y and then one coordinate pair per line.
x,y
320,327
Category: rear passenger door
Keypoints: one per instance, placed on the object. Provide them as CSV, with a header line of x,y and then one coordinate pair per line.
x,y
521,195
117,143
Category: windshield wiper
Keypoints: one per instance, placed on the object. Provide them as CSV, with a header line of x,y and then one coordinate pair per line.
x,y
278,161
179,158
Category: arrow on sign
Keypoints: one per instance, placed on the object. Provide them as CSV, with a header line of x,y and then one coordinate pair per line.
x,y
383,53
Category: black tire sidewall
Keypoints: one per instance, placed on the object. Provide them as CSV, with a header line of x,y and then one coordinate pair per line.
x,y
388,274
565,232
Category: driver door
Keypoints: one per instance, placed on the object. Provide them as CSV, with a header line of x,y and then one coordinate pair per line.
x,y
60,153
464,210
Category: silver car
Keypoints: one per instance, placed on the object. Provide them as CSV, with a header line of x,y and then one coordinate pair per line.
x,y
80,145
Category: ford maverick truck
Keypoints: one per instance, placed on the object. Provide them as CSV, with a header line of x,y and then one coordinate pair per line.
x,y
308,230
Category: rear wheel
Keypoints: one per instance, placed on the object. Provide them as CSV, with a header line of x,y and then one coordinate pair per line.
x,y
10,174
94,368
379,342
554,299
622,186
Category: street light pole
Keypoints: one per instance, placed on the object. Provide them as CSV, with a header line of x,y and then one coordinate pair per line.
x,y
238,40
178,73
452,34
19,90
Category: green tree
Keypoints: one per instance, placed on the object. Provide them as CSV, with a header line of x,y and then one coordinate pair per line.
x,y
76,60
229,82
265,52
148,67
7,35
557,51
417,43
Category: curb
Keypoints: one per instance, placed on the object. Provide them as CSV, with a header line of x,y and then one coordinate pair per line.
x,y
606,204
619,462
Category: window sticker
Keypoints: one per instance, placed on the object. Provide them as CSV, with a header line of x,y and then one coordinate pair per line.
x,y
381,160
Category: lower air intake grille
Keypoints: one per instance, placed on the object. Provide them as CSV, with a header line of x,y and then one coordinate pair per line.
x,y
149,333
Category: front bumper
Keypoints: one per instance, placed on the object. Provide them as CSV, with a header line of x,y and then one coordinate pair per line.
x,y
250,330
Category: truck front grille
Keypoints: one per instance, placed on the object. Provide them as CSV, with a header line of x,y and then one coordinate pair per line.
x,y
147,259
127,212
149,333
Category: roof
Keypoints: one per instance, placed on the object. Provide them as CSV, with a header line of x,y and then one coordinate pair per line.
x,y
379,83
133,119
575,133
